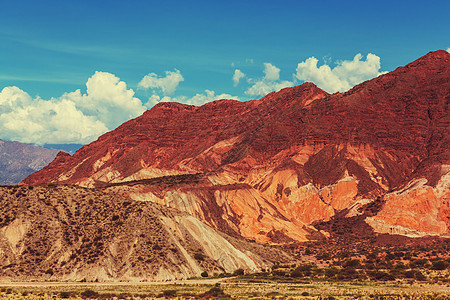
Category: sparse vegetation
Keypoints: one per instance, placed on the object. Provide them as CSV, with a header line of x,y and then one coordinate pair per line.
x,y
204,274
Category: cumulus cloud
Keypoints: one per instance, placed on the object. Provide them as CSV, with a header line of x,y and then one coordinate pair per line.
x,y
40,121
108,99
271,72
343,76
12,97
269,83
167,84
73,117
238,74
198,99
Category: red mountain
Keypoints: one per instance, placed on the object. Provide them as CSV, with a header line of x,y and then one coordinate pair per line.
x,y
267,169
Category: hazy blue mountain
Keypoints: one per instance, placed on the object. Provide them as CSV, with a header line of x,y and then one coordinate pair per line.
x,y
18,160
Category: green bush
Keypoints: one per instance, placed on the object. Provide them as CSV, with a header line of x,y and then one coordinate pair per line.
x,y
204,274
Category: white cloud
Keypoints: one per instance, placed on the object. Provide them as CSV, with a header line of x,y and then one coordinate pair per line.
x,y
271,72
71,118
12,97
448,49
269,83
238,74
198,99
342,77
108,99
167,84
54,121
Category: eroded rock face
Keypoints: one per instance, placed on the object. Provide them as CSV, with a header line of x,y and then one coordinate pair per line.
x,y
416,210
71,233
267,169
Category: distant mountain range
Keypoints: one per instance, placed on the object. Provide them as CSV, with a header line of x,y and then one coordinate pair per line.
x,y
18,160
69,148
273,168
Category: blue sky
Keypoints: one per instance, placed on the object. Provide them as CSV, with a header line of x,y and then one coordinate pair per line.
x,y
48,48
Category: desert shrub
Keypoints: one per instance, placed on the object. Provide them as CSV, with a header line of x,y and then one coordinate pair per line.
x,y
420,276
397,273
353,263
407,255
169,293
400,266
331,272
65,295
380,275
124,296
439,265
323,256
89,294
409,274
215,292
415,274
297,273
302,270
348,273
390,256
419,263
204,274
199,256
279,272
239,272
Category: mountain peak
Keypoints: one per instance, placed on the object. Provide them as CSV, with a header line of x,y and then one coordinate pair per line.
x,y
436,54
431,60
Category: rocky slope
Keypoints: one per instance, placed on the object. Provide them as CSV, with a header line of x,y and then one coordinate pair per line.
x,y
72,233
267,169
18,160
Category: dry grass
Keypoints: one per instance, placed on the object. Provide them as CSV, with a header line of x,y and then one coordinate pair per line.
x,y
234,288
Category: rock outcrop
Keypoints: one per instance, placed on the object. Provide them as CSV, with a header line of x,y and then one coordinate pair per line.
x,y
267,169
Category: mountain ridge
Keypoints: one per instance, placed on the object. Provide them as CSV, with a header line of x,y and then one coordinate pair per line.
x,y
269,168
